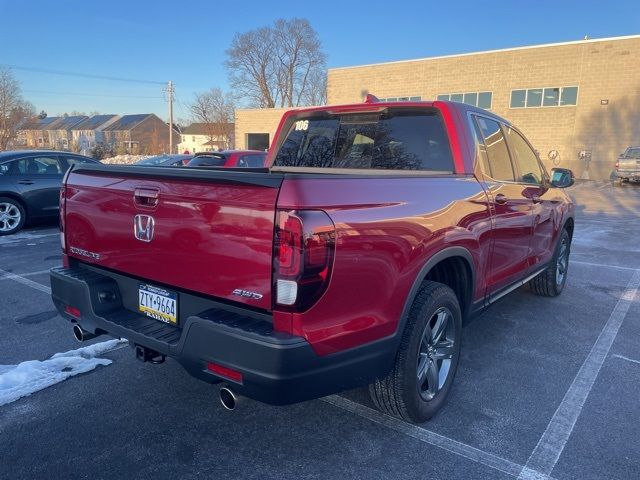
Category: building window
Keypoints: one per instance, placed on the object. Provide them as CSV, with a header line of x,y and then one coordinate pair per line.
x,y
534,97
416,98
569,96
544,97
477,99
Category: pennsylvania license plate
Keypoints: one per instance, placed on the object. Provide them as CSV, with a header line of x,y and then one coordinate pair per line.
x,y
158,303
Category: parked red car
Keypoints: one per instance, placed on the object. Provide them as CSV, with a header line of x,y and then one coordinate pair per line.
x,y
229,158
351,261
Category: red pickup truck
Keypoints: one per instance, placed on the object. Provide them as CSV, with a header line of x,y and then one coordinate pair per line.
x,y
352,260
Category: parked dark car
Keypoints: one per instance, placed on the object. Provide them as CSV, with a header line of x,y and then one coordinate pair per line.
x,y
173,160
230,158
30,183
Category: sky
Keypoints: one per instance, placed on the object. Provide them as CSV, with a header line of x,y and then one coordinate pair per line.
x,y
149,42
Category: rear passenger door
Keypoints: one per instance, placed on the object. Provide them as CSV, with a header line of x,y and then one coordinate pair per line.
x,y
38,179
511,205
533,179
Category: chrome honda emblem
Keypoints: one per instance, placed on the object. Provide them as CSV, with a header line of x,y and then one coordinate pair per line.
x,y
143,227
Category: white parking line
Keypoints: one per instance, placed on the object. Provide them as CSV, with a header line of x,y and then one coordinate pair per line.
x,y
427,436
25,281
622,357
17,237
28,274
550,446
601,265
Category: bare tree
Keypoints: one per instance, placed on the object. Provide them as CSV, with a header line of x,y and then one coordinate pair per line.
x,y
300,57
316,91
14,110
216,110
277,65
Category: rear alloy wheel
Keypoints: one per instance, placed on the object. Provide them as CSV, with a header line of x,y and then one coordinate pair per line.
x,y
435,354
12,216
427,359
552,280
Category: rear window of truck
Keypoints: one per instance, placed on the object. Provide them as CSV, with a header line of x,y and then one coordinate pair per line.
x,y
403,140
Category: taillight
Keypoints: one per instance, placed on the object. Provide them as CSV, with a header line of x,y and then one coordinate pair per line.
x,y
617,165
304,245
62,212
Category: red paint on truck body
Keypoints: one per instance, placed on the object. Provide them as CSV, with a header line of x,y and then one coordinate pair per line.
x,y
208,238
214,238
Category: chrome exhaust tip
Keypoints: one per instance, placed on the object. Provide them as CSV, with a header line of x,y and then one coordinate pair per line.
x,y
228,399
81,335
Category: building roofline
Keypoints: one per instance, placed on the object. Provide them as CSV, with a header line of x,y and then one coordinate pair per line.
x,y
500,50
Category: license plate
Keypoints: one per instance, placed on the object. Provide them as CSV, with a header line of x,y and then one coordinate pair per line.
x,y
158,303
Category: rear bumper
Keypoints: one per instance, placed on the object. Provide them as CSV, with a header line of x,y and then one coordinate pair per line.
x,y
276,368
631,174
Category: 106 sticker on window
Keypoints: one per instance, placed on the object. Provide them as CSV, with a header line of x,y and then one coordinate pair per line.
x,y
302,125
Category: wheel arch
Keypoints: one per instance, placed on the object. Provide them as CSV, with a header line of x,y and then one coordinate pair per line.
x,y
568,226
17,198
464,290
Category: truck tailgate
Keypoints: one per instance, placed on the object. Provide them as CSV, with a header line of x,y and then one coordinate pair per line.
x,y
628,165
212,231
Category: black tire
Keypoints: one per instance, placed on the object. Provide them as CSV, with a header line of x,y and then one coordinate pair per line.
x,y
401,393
12,216
552,280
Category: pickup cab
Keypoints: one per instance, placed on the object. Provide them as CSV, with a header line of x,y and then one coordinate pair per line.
x,y
351,260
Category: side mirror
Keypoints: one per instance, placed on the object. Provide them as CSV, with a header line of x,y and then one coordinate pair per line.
x,y
561,177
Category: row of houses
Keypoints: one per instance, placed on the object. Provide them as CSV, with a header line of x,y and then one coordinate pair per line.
x,y
136,134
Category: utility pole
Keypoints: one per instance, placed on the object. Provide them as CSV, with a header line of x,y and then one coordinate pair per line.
x,y
170,95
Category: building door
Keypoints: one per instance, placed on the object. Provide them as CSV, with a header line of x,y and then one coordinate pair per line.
x,y
257,141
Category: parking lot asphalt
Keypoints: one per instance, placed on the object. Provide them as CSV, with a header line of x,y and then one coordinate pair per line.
x,y
545,388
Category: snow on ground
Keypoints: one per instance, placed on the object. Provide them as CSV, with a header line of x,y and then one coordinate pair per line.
x,y
124,159
17,381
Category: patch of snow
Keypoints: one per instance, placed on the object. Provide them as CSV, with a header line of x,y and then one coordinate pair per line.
x,y
124,159
17,381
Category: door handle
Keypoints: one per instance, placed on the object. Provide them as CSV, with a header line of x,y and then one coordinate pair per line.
x,y
146,197
26,182
501,199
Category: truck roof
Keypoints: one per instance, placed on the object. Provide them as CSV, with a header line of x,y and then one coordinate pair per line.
x,y
375,104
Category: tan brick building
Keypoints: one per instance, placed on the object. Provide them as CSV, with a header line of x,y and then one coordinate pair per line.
x,y
572,97
255,127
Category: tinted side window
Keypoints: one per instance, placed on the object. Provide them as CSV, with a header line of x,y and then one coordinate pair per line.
x,y
75,160
481,153
251,161
39,166
525,158
208,161
406,140
6,168
499,160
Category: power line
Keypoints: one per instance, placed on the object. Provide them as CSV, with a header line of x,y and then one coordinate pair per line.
x,y
83,75
49,92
